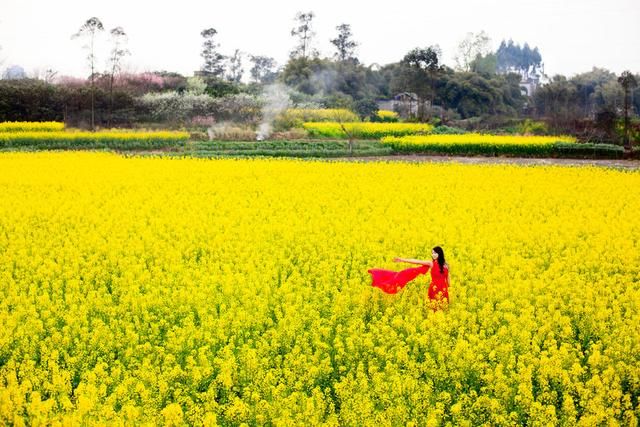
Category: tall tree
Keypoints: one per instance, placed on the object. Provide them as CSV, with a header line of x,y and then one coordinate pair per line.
x,y
235,67
263,70
513,58
118,52
90,30
305,34
344,43
474,45
213,60
418,74
628,83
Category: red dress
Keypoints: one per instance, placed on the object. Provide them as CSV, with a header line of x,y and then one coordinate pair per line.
x,y
391,281
438,289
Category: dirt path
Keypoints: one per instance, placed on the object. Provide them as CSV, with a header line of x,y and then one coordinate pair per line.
x,y
625,164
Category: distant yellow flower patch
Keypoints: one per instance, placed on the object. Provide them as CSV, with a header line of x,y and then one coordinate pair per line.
x,y
365,130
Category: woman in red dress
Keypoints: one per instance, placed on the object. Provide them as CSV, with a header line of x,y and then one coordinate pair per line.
x,y
392,281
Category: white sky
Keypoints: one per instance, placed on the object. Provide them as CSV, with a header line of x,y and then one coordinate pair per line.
x,y
572,35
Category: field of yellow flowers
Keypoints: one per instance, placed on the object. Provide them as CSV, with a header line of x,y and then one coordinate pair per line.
x,y
365,130
174,291
45,135
31,127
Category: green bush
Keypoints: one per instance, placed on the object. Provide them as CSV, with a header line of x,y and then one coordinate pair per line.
x,y
558,149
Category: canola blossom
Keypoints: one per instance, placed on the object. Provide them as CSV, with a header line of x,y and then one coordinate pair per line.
x,y
387,116
31,126
365,130
320,114
111,138
178,291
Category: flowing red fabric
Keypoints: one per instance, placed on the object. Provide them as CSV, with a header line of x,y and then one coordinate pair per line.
x,y
391,281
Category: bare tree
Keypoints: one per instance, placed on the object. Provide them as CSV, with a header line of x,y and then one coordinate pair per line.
x,y
263,70
343,118
472,46
235,67
50,75
45,74
118,51
89,30
628,82
305,34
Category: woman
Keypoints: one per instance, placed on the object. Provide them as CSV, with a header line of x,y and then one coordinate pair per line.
x,y
392,281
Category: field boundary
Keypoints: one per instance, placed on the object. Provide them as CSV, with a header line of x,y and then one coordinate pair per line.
x,y
417,158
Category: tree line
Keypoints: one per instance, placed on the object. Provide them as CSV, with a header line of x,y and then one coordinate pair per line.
x,y
482,90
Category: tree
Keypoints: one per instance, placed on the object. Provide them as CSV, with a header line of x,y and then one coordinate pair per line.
x,y
213,60
343,117
471,47
90,30
556,101
628,83
263,70
367,108
118,51
591,98
485,65
344,43
235,67
304,32
418,73
196,85
513,58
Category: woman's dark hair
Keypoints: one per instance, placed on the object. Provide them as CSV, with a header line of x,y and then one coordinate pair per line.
x,y
441,260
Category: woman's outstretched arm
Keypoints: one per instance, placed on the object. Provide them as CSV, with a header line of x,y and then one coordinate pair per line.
x,y
414,261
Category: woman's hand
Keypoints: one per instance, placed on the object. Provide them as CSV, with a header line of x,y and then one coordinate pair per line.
x,y
396,259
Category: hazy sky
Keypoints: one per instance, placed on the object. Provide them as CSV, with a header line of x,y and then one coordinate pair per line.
x,y
572,35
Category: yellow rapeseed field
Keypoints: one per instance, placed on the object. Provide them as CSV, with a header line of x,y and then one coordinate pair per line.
x,y
31,127
365,130
144,291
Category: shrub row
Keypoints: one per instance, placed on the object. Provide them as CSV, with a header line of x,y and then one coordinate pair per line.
x,y
106,139
289,153
286,145
549,148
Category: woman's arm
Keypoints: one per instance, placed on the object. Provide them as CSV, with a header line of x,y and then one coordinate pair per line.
x,y
414,261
